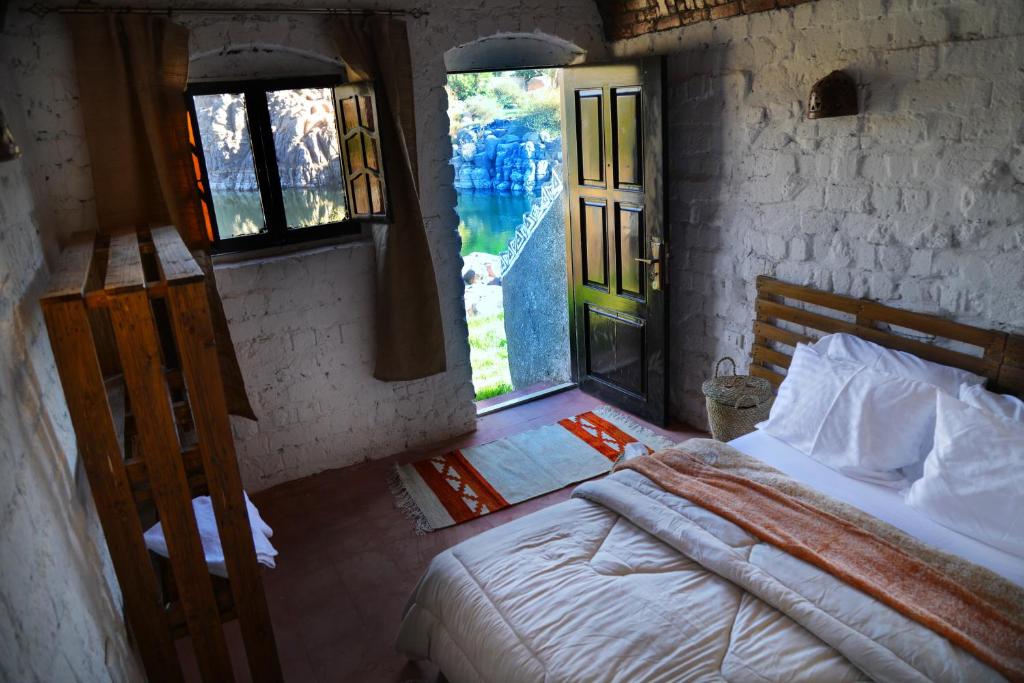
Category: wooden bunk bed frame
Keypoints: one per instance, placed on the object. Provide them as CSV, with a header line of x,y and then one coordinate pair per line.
x,y
129,324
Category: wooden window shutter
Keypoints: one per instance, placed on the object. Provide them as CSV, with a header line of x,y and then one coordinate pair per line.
x,y
197,166
356,108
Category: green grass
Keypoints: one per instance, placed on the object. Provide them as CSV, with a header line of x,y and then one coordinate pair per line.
x,y
494,390
488,355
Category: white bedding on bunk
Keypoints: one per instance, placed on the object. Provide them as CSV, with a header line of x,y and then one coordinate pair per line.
x,y
627,582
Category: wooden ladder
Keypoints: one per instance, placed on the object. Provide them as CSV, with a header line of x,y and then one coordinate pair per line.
x,y
129,324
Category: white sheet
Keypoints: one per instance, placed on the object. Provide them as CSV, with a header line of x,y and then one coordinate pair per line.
x,y
884,503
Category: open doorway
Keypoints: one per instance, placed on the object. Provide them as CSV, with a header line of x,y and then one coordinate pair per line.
x,y
507,156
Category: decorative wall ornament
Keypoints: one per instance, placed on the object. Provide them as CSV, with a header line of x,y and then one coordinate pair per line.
x,y
548,194
834,95
8,148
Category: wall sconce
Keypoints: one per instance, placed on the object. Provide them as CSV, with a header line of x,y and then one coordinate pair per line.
x,y
834,95
8,148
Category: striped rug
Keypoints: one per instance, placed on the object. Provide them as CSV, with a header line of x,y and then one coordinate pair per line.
x,y
465,484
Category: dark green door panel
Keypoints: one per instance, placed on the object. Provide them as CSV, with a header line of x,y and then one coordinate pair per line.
x,y
613,120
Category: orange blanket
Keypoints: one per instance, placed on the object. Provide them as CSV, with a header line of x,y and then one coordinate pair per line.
x,y
882,570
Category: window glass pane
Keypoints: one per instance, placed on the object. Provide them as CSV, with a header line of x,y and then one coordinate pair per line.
x,y
308,160
224,132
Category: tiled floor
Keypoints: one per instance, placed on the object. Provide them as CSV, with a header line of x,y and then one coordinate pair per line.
x,y
349,559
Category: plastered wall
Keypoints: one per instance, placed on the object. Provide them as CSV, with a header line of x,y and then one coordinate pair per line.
x,y
59,605
918,202
303,323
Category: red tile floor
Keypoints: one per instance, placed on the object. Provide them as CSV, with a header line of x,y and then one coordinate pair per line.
x,y
349,559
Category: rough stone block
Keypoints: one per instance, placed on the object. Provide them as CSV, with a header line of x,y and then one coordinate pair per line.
x,y
847,198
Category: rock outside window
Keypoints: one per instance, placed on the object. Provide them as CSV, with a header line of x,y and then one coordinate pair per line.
x,y
285,161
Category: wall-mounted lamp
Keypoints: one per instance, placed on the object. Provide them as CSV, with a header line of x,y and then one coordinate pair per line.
x,y
834,95
8,148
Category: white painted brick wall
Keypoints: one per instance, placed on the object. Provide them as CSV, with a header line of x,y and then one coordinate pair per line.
x,y
303,324
303,327
918,202
60,608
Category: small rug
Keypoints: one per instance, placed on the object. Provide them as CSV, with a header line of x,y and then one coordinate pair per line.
x,y
465,484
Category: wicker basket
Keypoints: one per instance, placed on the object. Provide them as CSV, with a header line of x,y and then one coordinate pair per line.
x,y
736,402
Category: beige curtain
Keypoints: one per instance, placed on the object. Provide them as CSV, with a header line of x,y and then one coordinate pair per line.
x,y
410,336
132,73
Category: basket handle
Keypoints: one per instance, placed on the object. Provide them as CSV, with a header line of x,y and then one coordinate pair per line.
x,y
722,360
743,396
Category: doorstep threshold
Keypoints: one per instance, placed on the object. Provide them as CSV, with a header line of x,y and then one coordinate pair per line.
x,y
526,398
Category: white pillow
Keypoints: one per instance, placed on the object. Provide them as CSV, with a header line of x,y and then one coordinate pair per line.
x,y
854,349
974,476
1003,405
846,415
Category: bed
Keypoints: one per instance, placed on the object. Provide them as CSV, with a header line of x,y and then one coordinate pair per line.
x,y
628,581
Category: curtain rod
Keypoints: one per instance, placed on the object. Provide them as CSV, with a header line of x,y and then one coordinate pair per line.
x,y
87,8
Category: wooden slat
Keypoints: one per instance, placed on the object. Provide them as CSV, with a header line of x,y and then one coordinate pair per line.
x,y
139,478
1011,370
773,377
931,325
771,310
767,356
197,486
176,263
193,329
225,605
868,311
174,379
767,286
71,277
124,264
74,352
158,442
136,467
182,414
995,360
777,334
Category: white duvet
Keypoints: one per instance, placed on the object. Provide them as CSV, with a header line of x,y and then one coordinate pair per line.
x,y
627,582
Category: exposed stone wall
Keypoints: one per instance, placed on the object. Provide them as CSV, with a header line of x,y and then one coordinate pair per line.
x,y
918,202
59,605
503,156
276,307
632,18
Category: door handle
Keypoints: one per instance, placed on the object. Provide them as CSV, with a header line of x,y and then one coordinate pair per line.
x,y
654,262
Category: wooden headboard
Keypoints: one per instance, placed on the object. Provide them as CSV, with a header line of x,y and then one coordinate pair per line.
x,y
789,314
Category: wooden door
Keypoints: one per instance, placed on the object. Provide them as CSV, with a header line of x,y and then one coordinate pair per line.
x,y
612,136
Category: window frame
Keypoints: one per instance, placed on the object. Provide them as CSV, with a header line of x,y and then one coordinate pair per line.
x,y
264,158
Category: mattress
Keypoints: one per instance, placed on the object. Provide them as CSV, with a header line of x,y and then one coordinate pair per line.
x,y
583,591
882,502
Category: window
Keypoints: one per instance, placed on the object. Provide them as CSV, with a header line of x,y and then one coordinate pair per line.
x,y
279,162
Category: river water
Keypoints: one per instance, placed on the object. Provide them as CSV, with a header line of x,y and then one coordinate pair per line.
x,y
241,213
488,221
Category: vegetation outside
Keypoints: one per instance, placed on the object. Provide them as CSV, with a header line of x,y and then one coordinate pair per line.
x,y
480,98
488,354
504,126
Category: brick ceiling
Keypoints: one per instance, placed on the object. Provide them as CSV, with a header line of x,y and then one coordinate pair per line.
x,y
631,18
